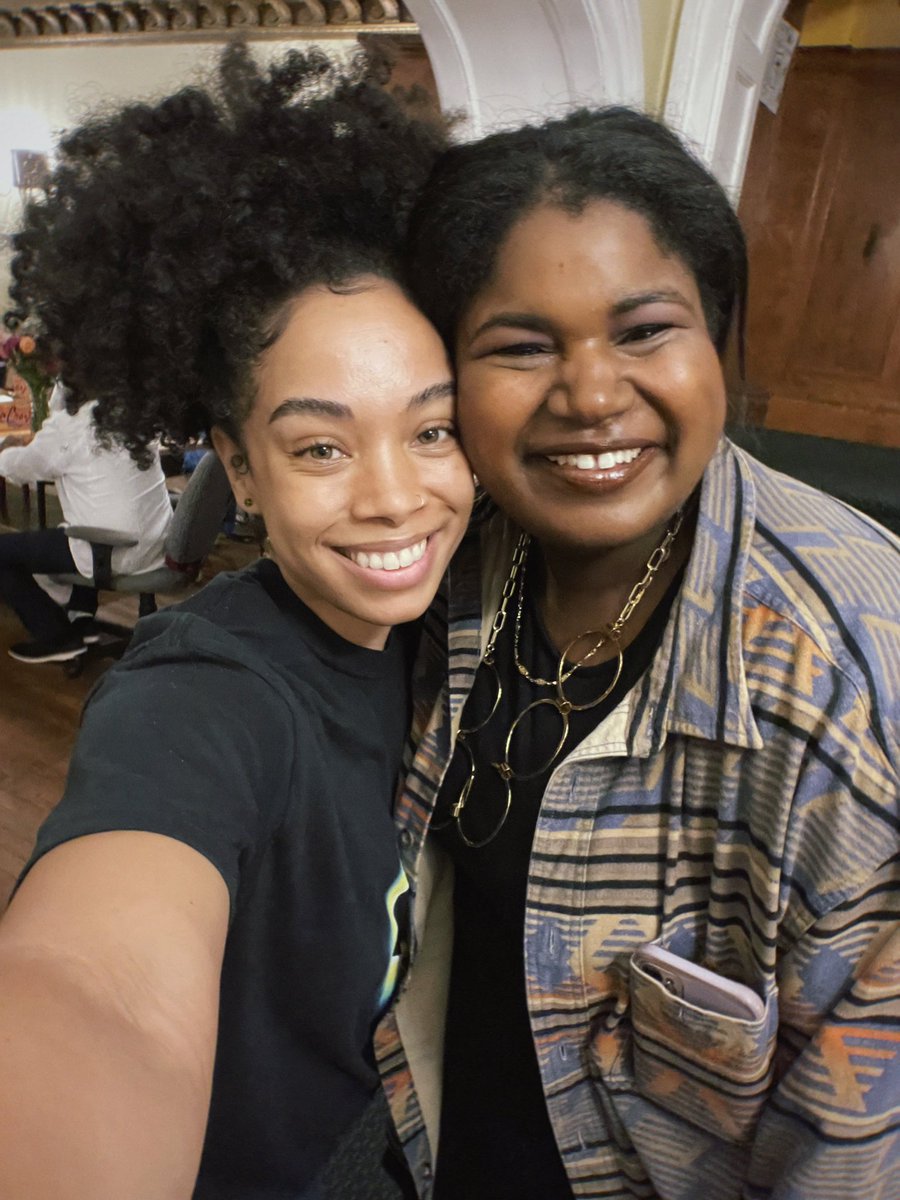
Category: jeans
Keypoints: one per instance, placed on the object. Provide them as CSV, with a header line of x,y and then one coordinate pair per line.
x,y
40,552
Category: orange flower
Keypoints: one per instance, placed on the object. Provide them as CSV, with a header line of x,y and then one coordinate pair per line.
x,y
27,345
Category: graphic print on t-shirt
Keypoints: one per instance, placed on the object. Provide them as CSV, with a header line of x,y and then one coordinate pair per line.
x,y
397,900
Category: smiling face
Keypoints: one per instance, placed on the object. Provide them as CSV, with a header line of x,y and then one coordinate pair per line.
x,y
352,458
591,397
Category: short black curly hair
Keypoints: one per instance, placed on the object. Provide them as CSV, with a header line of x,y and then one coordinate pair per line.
x,y
173,232
479,190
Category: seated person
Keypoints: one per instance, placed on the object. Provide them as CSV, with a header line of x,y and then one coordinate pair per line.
x,y
102,487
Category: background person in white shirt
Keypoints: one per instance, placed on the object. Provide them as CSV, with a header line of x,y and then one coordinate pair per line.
x,y
97,486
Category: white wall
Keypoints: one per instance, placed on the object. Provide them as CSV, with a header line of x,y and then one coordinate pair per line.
x,y
498,61
46,89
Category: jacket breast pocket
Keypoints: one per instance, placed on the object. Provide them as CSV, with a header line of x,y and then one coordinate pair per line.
x,y
710,1069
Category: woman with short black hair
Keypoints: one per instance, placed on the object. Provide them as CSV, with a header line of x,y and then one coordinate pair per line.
x,y
674,702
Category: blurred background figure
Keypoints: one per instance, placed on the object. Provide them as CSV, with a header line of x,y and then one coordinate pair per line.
x,y
98,486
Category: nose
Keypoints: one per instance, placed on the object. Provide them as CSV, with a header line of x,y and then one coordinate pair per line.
x,y
387,488
591,386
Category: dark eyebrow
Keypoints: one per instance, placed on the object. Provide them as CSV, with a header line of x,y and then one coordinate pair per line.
x,y
667,296
537,324
519,320
343,412
436,391
309,404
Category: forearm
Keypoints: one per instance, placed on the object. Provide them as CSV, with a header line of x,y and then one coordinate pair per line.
x,y
22,464
41,456
94,1100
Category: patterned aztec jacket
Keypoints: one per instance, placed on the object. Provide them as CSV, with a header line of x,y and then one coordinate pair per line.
x,y
741,804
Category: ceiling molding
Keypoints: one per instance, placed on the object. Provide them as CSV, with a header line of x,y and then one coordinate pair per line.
x,y
190,20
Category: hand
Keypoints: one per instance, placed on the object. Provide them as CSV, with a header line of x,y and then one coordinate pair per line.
x,y
16,439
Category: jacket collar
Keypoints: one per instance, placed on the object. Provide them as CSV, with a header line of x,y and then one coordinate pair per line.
x,y
696,685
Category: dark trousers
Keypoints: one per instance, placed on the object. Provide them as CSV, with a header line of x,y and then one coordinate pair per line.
x,y
40,552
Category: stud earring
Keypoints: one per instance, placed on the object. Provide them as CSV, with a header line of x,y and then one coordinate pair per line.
x,y
248,502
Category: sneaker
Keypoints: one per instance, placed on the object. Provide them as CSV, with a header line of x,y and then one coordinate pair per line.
x,y
87,629
41,652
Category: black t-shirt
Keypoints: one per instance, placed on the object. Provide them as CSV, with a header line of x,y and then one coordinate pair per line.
x,y
242,725
495,1137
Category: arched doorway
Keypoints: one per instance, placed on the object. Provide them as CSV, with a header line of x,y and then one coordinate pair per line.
x,y
513,60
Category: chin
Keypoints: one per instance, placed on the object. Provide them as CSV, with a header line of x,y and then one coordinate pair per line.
x,y
398,613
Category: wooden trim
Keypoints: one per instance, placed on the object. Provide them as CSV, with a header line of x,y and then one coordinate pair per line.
x,y
199,20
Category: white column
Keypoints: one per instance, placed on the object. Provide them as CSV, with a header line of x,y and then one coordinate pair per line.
x,y
721,55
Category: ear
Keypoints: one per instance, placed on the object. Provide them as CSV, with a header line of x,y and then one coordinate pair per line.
x,y
234,460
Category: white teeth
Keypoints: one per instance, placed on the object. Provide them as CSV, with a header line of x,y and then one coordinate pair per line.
x,y
595,462
392,560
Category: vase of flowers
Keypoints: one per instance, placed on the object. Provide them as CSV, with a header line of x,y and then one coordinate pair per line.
x,y
19,351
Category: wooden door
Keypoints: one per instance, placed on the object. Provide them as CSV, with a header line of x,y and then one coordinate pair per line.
x,y
821,207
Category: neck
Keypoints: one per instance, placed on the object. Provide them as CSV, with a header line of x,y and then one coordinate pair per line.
x,y
578,594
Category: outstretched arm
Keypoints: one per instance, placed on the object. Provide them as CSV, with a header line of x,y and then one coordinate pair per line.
x,y
110,956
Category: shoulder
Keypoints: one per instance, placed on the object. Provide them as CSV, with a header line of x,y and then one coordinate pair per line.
x,y
193,734
829,568
214,620
216,647
244,635
820,591
802,524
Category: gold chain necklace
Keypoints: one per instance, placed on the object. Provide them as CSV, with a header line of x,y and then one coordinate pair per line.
x,y
559,703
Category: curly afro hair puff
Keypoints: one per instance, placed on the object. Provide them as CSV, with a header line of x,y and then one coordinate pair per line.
x,y
173,232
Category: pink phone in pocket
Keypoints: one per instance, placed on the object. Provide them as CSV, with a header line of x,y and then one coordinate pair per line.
x,y
698,985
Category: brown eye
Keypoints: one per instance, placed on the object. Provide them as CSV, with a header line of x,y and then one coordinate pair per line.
x,y
522,349
643,333
323,452
431,435
435,435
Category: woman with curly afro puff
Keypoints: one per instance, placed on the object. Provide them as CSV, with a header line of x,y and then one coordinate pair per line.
x,y
213,918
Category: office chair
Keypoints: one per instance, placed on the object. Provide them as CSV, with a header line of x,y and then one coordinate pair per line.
x,y
196,522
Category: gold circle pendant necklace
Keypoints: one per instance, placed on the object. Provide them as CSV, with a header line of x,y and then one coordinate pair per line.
x,y
558,703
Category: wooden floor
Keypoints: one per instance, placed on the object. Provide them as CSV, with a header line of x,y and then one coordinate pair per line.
x,y
39,712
